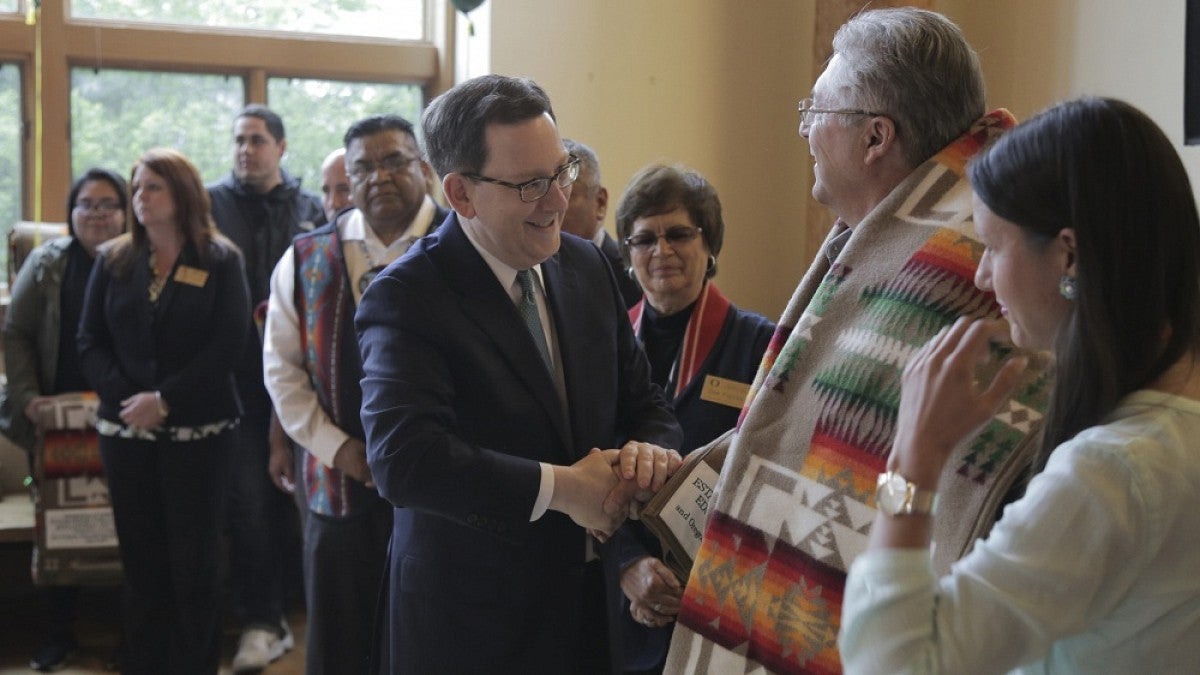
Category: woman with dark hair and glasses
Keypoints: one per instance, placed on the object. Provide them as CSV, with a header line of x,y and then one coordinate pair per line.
x,y
703,352
165,315
1093,252
39,353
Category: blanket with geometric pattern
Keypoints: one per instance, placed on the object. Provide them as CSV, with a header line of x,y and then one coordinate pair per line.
x,y
795,499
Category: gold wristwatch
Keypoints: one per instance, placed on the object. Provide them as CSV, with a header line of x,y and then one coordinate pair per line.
x,y
896,496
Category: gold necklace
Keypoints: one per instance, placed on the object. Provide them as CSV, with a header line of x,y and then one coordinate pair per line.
x,y
157,283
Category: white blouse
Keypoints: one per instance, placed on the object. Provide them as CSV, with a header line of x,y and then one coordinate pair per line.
x,y
1095,570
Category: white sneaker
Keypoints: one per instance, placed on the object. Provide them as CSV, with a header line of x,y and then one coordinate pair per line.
x,y
258,647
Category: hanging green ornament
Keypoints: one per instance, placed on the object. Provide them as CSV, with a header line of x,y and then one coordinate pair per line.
x,y
465,6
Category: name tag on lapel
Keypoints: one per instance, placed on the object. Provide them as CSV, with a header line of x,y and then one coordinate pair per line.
x,y
724,392
191,276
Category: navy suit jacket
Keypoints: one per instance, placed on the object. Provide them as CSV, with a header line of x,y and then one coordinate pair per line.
x,y
458,410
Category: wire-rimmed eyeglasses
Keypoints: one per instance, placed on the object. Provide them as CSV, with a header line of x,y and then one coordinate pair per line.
x,y
644,241
808,112
534,189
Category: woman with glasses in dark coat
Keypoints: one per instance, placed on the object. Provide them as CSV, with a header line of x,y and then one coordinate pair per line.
x,y
703,352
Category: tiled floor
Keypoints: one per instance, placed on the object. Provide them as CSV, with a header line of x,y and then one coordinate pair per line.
x,y
22,621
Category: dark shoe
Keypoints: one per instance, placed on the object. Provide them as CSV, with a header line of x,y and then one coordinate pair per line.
x,y
54,655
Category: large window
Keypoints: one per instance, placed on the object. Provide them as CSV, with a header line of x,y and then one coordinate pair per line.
x,y
10,151
316,114
116,115
107,79
395,19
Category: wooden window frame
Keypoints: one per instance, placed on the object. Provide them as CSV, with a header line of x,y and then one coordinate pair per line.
x,y
252,55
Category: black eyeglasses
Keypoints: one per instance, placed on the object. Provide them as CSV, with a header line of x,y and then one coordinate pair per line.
x,y
808,112
392,164
533,190
85,206
675,236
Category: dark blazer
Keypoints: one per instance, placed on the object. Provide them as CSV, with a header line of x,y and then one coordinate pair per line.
x,y
630,290
185,348
458,410
735,356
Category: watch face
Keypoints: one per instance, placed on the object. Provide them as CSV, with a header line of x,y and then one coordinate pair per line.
x,y
892,495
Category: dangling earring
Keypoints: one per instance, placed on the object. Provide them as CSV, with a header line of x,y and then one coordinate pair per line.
x,y
1067,287
712,263
629,271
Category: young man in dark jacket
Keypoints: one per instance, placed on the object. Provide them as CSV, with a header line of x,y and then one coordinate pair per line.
x,y
260,207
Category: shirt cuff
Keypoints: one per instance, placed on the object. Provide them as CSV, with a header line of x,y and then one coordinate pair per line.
x,y
545,492
326,441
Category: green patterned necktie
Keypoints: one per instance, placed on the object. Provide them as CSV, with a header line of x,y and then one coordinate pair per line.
x,y
527,306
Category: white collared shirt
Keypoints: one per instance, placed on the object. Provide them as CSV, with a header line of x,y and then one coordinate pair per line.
x,y
506,276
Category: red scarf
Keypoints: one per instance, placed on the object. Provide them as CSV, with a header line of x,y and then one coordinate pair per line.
x,y
703,329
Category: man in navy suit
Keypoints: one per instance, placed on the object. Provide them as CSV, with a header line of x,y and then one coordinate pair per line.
x,y
496,356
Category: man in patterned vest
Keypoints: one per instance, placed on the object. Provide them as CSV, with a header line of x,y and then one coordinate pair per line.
x,y
312,366
891,124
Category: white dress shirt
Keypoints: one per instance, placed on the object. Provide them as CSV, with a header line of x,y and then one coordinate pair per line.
x,y
507,277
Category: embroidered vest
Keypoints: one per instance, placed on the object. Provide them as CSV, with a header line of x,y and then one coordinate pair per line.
x,y
325,307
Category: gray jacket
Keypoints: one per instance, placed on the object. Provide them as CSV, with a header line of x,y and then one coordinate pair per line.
x,y
31,333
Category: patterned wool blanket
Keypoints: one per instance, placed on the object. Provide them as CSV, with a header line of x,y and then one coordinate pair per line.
x,y
795,499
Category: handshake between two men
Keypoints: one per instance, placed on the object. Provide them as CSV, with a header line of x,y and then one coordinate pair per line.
x,y
598,490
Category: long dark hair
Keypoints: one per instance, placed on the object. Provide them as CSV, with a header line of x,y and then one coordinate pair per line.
x,y
1104,168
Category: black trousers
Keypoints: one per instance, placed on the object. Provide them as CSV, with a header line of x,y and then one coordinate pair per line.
x,y
260,521
344,563
167,502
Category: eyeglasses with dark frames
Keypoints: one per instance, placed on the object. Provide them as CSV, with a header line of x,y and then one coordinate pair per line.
x,y
808,113
535,189
85,206
644,241
392,164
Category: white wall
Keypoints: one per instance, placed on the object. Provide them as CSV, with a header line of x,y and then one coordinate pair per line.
x,y
714,84
1038,52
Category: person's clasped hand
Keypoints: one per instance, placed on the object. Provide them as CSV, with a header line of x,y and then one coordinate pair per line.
x,y
653,590
351,459
142,411
643,469
597,490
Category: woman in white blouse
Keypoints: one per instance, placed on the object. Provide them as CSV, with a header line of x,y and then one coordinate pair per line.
x,y
1093,251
